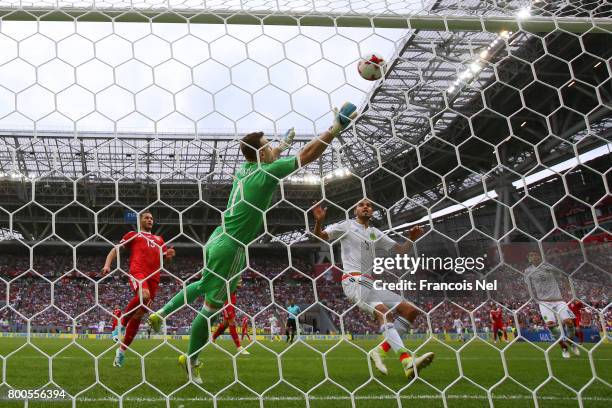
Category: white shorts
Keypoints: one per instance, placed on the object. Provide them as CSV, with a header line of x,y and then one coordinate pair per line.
x,y
459,331
550,310
360,290
275,330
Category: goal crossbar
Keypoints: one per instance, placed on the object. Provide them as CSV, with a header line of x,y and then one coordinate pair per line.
x,y
534,24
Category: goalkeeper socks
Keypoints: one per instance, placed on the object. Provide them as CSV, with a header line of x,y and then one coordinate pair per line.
x,y
199,332
130,332
234,334
193,290
219,331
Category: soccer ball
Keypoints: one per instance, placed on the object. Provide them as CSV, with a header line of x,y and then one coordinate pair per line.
x,y
371,66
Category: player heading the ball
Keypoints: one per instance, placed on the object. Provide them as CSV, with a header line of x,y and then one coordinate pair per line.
x,y
254,184
359,242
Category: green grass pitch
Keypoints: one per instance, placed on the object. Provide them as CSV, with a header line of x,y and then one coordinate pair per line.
x,y
278,373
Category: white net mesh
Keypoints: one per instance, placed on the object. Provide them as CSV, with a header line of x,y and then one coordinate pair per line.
x,y
491,129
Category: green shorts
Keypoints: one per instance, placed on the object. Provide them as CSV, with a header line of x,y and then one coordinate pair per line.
x,y
225,261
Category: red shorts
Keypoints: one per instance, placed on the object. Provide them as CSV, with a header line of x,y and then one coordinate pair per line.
x,y
577,322
137,281
497,326
229,312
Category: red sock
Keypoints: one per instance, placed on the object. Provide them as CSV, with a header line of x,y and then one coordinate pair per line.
x,y
385,346
404,356
234,334
129,310
130,332
505,335
219,331
580,336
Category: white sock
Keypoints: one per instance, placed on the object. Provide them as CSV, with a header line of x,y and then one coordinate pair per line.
x,y
401,325
393,337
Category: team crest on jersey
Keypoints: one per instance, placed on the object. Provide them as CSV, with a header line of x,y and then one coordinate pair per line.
x,y
372,236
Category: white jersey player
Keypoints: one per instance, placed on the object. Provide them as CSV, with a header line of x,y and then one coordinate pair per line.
x,y
274,329
359,242
543,286
101,327
459,329
458,326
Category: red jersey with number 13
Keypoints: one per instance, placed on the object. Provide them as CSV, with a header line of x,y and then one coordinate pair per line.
x,y
146,250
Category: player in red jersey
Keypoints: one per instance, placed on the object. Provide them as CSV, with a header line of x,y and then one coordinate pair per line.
x,y
145,262
229,320
576,307
114,328
497,323
245,328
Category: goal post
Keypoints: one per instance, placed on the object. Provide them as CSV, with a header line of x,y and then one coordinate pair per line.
x,y
432,22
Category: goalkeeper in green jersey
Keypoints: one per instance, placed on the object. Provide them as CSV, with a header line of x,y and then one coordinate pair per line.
x,y
254,185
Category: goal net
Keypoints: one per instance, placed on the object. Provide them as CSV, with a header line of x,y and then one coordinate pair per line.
x,y
490,129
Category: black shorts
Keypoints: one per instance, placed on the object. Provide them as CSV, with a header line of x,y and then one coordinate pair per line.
x,y
291,324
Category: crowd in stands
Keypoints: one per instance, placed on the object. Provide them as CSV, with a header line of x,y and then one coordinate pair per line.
x,y
268,286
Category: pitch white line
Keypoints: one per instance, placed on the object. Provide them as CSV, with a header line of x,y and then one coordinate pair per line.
x,y
346,398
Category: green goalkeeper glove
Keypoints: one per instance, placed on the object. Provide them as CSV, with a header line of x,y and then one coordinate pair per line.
x,y
287,140
343,118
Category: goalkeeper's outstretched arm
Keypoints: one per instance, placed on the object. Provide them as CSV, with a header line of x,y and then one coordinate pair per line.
x,y
315,148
